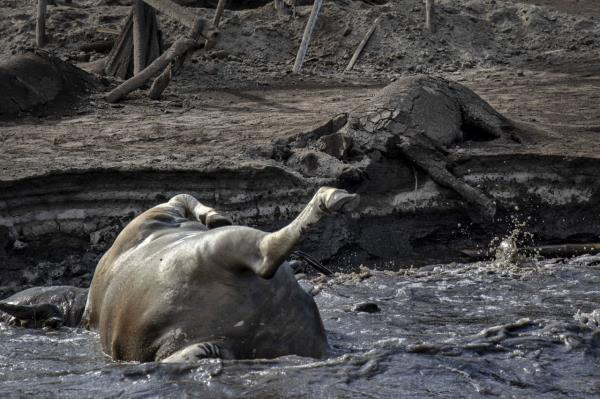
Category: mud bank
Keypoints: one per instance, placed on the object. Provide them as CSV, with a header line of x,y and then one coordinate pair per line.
x,y
54,228
437,168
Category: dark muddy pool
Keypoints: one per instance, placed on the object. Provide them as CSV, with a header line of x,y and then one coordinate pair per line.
x,y
459,330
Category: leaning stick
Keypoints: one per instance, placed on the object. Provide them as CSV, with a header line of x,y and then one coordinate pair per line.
x,y
310,26
219,13
162,81
139,37
362,45
40,27
429,10
181,46
216,19
425,158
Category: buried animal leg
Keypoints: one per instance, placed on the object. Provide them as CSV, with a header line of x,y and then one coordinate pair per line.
x,y
189,207
194,352
276,247
33,316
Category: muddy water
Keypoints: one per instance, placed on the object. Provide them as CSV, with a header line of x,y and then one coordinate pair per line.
x,y
465,330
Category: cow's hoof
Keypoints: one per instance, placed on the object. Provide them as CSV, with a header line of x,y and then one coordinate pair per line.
x,y
338,200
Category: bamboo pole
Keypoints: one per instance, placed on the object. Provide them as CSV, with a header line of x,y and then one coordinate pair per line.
x,y
310,25
139,37
181,46
429,11
362,45
40,27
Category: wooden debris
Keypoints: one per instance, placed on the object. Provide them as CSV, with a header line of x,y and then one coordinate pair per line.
x,y
219,13
362,45
120,60
108,31
313,262
181,46
310,25
139,36
162,81
429,12
40,27
216,19
429,160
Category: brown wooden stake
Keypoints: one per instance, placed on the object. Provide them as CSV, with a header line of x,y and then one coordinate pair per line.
x,y
140,41
310,26
40,27
181,46
429,11
362,45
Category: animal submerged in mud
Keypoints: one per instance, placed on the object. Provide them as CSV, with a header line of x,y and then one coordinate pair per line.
x,y
180,283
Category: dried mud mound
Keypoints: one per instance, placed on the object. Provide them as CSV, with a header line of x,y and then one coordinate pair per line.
x,y
35,79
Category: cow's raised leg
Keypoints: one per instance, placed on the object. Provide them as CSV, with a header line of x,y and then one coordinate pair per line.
x,y
276,247
190,208
241,248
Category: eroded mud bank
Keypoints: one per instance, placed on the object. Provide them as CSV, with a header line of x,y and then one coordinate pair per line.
x,y
53,228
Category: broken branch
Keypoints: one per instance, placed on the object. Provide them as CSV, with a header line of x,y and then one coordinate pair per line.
x,y
362,45
310,25
426,159
181,46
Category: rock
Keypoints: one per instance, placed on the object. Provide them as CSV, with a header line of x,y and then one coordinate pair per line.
x,y
367,307
336,145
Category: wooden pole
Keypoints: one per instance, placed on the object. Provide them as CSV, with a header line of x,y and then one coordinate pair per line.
x,y
40,27
208,44
219,13
362,45
429,11
310,25
181,46
139,37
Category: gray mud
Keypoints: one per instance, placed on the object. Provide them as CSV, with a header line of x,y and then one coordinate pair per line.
x,y
465,330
